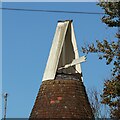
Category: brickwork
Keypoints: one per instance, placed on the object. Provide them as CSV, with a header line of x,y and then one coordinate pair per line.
x,y
61,98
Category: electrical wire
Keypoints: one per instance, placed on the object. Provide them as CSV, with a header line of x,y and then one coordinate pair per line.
x,y
52,11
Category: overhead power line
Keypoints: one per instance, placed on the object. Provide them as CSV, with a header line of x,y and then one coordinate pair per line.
x,y
52,11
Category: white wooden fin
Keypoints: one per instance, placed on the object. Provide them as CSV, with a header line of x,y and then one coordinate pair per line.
x,y
78,61
63,52
74,62
55,51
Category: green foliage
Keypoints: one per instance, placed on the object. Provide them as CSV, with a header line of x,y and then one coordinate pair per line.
x,y
110,51
106,50
112,10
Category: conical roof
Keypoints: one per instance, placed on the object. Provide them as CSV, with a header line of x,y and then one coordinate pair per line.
x,y
62,98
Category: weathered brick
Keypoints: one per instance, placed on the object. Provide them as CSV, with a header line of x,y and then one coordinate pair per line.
x,y
61,98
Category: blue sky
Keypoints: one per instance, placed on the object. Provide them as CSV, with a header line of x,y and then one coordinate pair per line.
x,y
0,58
27,38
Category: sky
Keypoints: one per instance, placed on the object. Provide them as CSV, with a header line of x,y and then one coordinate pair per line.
x,y
49,0
26,42
0,60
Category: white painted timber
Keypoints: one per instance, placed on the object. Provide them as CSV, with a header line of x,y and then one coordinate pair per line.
x,y
74,62
52,63
78,67
78,61
63,53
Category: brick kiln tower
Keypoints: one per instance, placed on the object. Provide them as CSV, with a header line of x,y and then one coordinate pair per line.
x,y
62,93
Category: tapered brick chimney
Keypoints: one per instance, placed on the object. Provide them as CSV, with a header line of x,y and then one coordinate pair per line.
x,y
62,93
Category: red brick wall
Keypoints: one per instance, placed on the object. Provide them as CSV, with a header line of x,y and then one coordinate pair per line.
x,y
62,99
